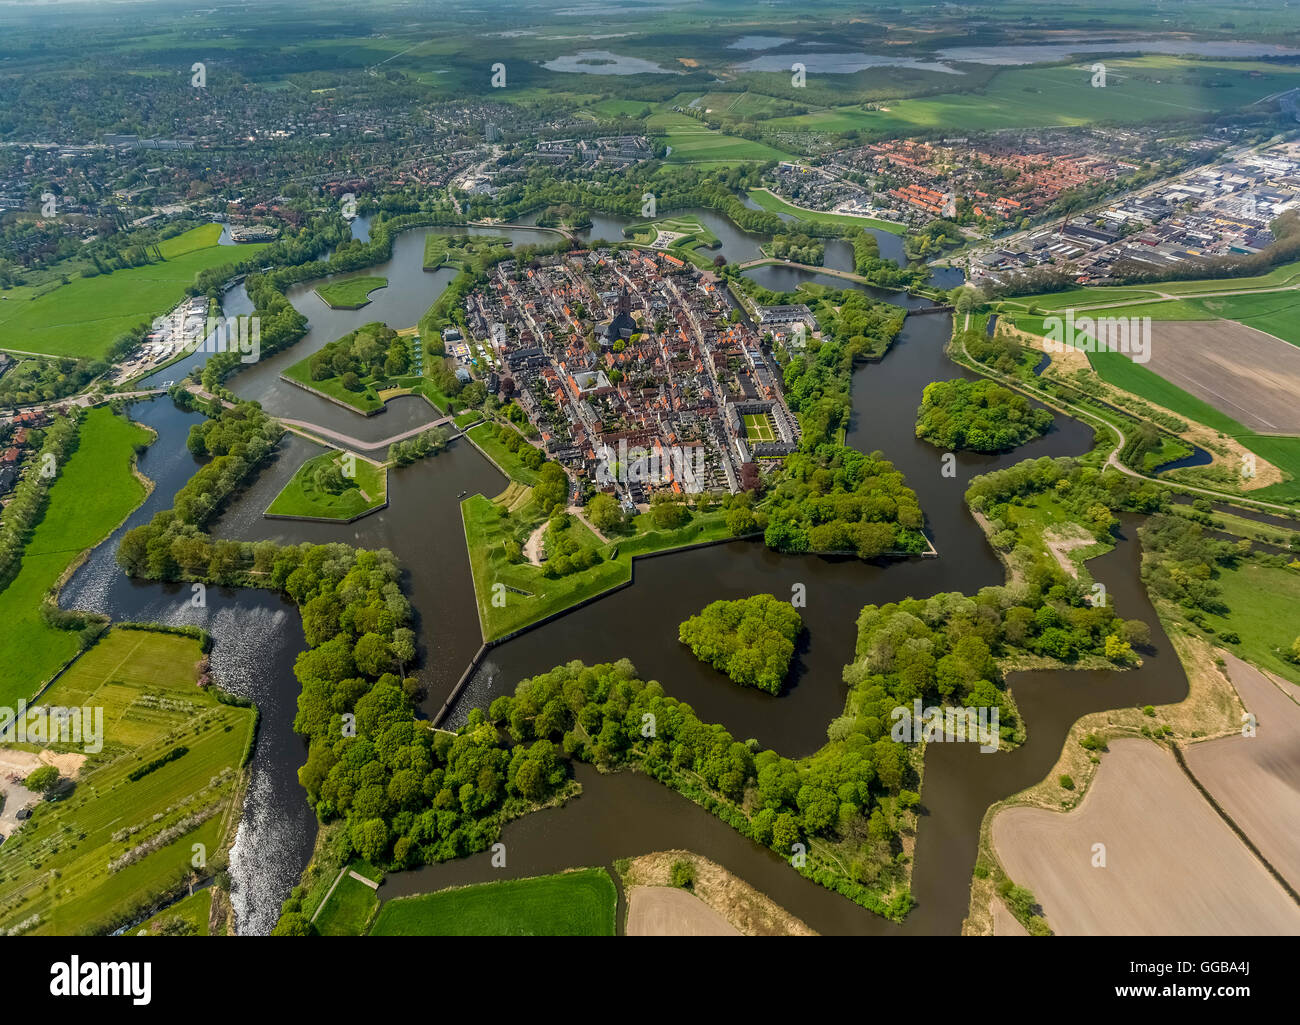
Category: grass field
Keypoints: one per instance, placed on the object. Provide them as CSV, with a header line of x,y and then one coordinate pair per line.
x,y
690,142
1137,89
351,294
58,865
368,489
349,910
758,427
1264,610
570,904
508,461
530,595
94,492
770,201
195,911
85,316
1277,313
366,401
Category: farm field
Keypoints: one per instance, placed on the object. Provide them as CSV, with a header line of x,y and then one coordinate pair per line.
x,y
30,651
351,294
578,903
1255,779
365,490
1276,313
85,316
1141,806
135,837
1137,89
1119,370
668,911
690,142
1241,372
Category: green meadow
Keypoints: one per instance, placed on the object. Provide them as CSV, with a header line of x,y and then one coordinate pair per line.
x,y
110,847
94,492
365,490
351,294
85,316
1137,89
570,904
770,201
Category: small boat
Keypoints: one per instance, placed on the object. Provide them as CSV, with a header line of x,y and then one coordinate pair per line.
x,y
462,494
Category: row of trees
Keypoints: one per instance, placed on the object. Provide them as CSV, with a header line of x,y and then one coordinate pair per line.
x,y
27,504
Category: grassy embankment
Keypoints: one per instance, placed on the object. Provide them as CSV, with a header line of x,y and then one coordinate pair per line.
x,y
93,493
350,294
580,903
529,595
770,201
366,489
85,316
60,865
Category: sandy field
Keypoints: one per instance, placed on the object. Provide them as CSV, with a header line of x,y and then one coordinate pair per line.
x,y
1247,374
720,901
667,911
1172,865
1004,922
1256,780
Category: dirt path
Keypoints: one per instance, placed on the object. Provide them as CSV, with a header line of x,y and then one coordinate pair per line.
x,y
533,546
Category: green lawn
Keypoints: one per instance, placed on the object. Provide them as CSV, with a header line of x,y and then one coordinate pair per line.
x,y
1264,610
770,201
301,497
758,427
94,491
570,904
366,401
67,864
348,911
351,294
195,911
529,595
505,459
85,316
694,143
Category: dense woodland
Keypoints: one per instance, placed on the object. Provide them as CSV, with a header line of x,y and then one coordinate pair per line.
x,y
751,640
978,416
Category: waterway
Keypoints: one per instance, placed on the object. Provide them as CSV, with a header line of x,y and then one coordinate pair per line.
x,y
258,635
